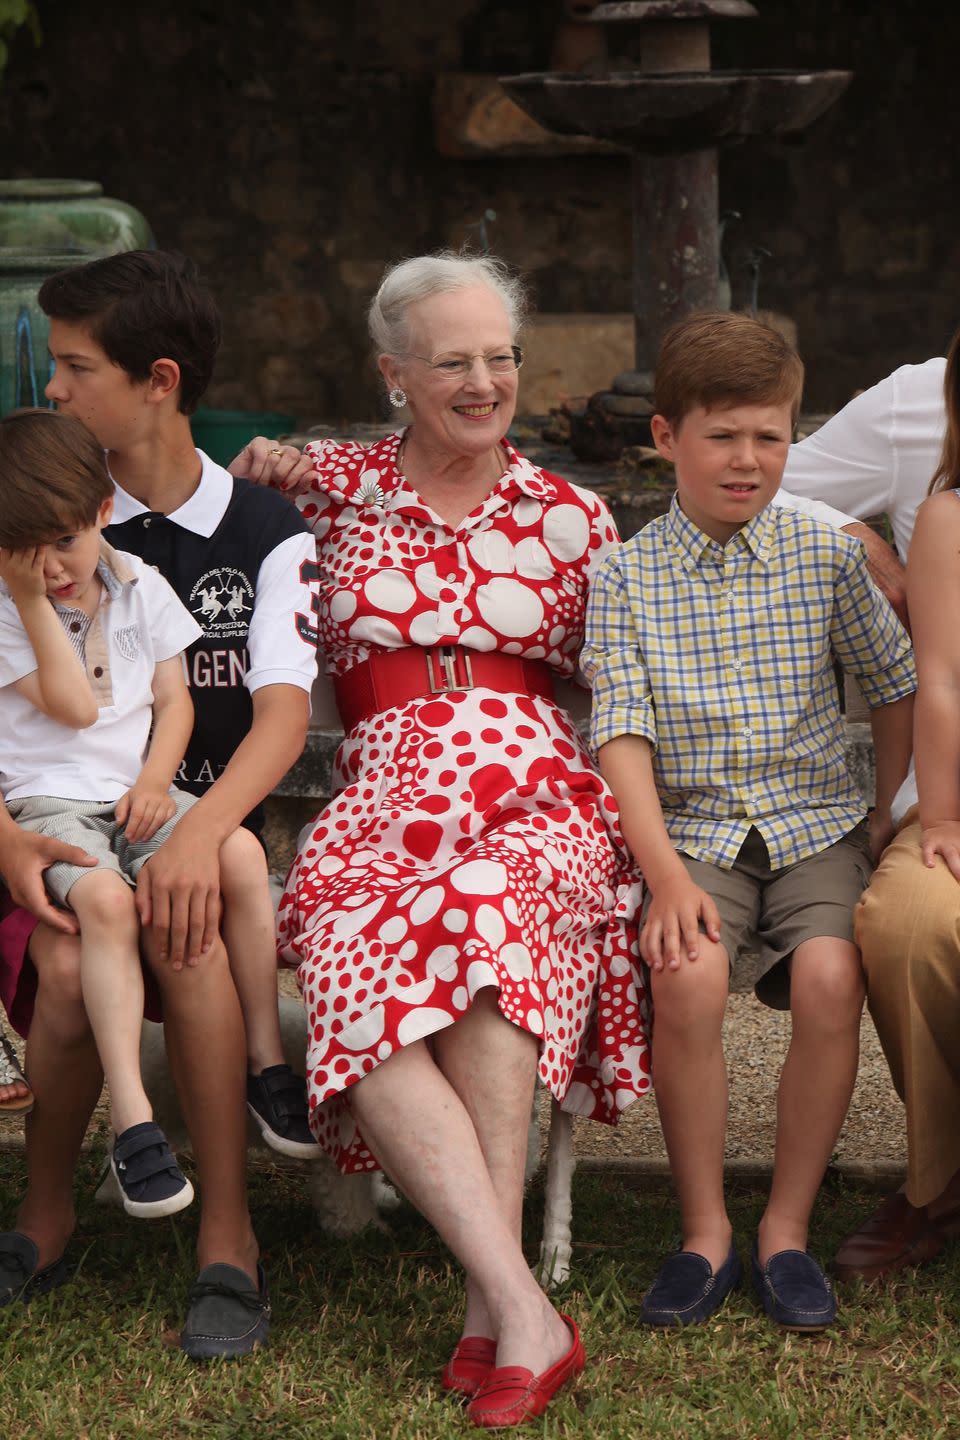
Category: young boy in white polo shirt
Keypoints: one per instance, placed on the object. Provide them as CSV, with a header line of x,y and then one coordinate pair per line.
x,y
94,720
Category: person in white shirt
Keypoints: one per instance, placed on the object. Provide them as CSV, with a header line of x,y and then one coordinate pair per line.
x,y
95,717
874,457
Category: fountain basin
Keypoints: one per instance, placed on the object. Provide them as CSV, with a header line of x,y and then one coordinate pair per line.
x,y
687,110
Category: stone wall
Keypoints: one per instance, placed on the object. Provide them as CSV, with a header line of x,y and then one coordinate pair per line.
x,y
291,149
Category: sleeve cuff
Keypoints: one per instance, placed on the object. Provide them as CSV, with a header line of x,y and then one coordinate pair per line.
x,y
257,679
607,725
893,685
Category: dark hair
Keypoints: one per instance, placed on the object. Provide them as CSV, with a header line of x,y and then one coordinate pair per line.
x,y
720,357
142,306
947,474
53,477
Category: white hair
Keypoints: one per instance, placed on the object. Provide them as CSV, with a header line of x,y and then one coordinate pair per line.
x,y
411,280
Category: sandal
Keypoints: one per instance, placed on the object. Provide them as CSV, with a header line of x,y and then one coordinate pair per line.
x,y
11,1074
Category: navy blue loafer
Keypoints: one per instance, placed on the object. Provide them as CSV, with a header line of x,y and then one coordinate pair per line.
x,y
687,1291
794,1290
21,1276
228,1315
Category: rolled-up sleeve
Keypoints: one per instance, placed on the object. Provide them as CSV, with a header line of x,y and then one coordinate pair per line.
x,y
613,664
867,638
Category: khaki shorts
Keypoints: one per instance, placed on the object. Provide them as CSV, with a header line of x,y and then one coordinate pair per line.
x,y
91,826
768,913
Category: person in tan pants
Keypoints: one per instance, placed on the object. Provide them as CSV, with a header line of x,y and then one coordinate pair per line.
x,y
908,921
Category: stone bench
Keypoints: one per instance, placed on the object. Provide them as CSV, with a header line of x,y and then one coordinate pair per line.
x,y
305,788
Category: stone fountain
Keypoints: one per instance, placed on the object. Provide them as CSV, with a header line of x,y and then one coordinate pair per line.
x,y
658,97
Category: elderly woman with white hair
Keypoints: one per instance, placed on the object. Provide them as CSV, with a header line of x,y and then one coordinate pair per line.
x,y
461,915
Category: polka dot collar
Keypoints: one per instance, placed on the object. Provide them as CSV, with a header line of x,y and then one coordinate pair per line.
x,y
368,475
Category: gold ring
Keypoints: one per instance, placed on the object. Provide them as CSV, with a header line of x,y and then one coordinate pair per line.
x,y
275,451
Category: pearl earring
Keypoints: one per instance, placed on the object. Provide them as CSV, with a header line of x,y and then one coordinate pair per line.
x,y
397,397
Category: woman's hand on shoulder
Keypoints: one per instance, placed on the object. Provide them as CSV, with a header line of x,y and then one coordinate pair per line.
x,y
942,839
282,467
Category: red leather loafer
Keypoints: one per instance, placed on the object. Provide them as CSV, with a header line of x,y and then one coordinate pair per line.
x,y
469,1365
512,1394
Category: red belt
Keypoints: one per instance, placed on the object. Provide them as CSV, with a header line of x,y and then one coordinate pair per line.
x,y
396,676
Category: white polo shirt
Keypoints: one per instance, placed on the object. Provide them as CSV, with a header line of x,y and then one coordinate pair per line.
x,y
139,622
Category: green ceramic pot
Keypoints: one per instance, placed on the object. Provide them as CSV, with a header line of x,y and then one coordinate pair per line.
x,y
25,365
45,226
57,215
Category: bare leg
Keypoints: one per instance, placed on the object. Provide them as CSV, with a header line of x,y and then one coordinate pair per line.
x,y
66,1078
113,988
491,1065
204,1035
250,937
826,998
690,1084
417,1125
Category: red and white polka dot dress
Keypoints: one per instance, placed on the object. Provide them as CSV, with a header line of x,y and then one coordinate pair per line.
x,y
471,842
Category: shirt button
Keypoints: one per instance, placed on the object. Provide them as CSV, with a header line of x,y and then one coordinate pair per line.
x,y
746,730
97,671
735,664
75,626
146,521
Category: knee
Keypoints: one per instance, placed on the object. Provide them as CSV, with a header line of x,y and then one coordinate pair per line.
x,y
107,905
695,995
907,915
211,971
829,997
59,991
243,864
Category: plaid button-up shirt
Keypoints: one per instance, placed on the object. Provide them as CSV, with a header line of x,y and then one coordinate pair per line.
x,y
721,656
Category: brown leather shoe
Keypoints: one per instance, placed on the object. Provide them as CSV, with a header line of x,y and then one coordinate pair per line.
x,y
896,1235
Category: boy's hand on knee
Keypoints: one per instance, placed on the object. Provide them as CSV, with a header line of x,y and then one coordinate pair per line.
x,y
942,840
143,809
672,927
178,896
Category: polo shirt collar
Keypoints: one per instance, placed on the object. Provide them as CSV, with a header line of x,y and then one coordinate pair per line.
x,y
201,513
113,570
690,543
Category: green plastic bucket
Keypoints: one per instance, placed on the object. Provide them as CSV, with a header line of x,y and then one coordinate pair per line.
x,y
222,434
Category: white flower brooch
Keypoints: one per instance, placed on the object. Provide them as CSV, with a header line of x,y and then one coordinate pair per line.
x,y
371,491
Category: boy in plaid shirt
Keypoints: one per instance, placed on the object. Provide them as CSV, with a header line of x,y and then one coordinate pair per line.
x,y
710,644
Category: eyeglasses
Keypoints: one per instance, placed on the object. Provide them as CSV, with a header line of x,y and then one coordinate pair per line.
x,y
457,367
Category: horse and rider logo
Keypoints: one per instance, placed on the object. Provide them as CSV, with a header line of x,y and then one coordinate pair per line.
x,y
222,602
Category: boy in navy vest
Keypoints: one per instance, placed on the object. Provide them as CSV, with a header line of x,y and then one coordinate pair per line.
x,y
133,339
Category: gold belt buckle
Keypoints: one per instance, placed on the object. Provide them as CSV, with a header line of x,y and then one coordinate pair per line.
x,y
447,679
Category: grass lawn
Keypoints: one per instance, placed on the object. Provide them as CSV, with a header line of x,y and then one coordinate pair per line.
x,y
361,1330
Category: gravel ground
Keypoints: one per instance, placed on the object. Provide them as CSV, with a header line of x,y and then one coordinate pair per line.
x,y
755,1040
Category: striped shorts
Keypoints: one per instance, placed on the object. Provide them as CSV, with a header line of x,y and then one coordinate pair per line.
x,y
91,825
